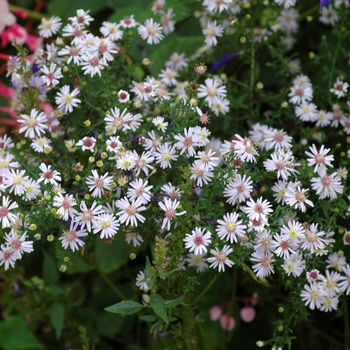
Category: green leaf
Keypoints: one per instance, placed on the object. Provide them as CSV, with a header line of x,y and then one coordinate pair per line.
x,y
174,302
165,274
125,307
50,272
126,11
158,304
57,318
111,256
148,318
14,335
66,8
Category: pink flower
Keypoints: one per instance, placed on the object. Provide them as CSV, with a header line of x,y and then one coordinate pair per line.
x,y
247,314
6,17
227,322
215,313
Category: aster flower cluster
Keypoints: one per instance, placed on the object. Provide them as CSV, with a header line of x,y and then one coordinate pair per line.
x,y
103,153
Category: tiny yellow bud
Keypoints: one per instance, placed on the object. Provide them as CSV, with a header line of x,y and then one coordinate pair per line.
x,y
104,155
87,122
193,102
53,211
280,309
132,256
99,163
32,227
341,230
50,238
66,259
37,236
284,104
113,185
87,196
77,177
311,55
260,85
47,197
280,328
65,69
242,39
91,159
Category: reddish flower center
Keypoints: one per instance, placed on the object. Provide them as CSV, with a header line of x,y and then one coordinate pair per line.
x,y
3,211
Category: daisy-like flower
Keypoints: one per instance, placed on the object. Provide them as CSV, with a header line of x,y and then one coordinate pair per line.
x,y
307,111
319,159
98,184
6,216
111,31
286,3
92,63
82,18
134,237
108,225
177,61
123,96
18,243
160,124
198,241
312,295
344,281
138,189
141,281
126,161
329,284
72,238
130,212
300,94
171,191
217,5
113,144
257,209
32,125
87,143
282,246
220,258
211,31
88,216
340,88
187,142
297,198
211,91
336,261
313,275
51,75
117,121
165,154
238,190
264,264
312,240
41,144
323,118
32,189
16,182
201,174
49,27
169,207
327,185
7,257
143,163
6,163
329,16
152,31
294,265
168,76
48,175
293,232
166,21
207,160
197,261
66,100
73,53
128,22
65,206
244,148
231,227
329,303
278,139
287,21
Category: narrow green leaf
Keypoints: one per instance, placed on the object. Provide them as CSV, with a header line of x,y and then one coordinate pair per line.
x,y
174,302
57,318
125,307
148,318
158,304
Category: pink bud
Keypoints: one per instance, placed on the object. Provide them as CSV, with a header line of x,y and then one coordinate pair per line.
x,y
227,323
247,314
254,300
215,313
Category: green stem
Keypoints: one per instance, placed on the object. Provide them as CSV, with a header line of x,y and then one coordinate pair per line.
x,y
309,12
30,14
111,284
346,325
261,280
252,75
205,290
334,60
